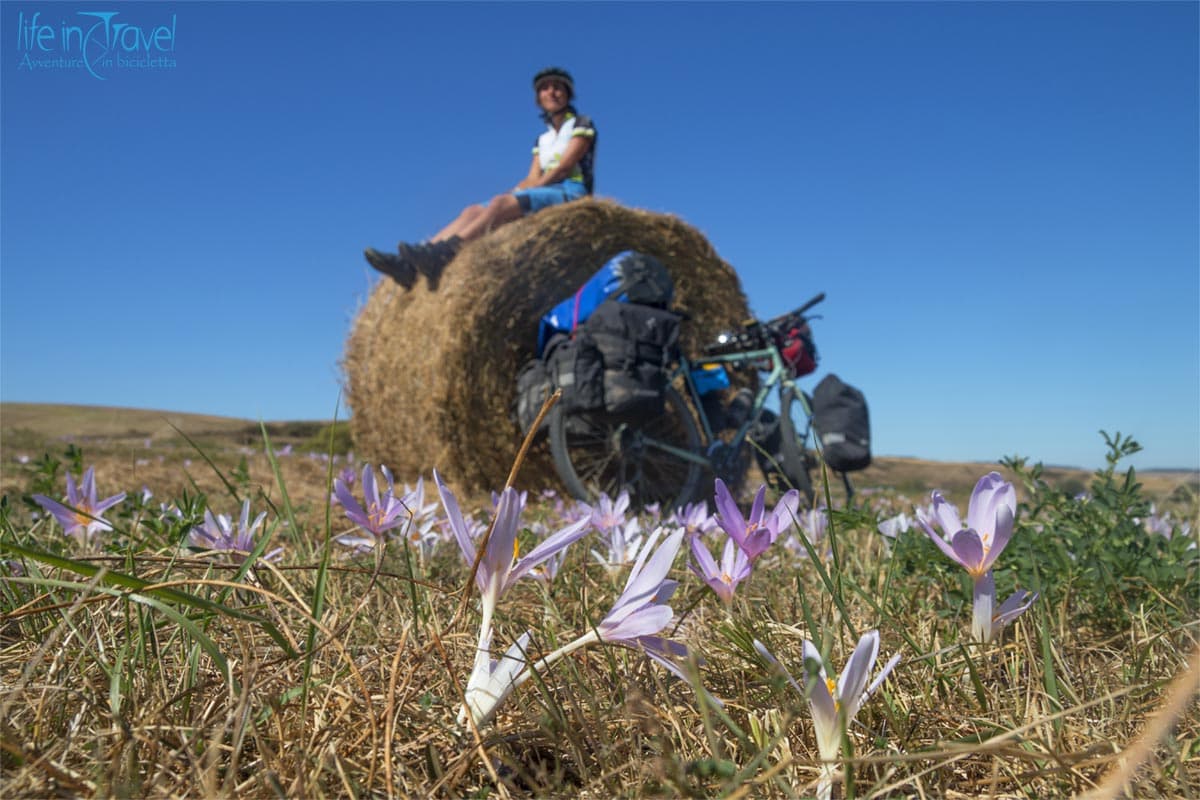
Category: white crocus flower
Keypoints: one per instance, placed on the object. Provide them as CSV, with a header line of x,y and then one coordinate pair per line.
x,y
834,704
491,682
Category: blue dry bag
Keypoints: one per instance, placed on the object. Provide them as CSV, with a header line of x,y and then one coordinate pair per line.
x,y
567,315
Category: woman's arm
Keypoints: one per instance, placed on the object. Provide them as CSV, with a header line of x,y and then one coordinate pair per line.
x,y
535,172
576,149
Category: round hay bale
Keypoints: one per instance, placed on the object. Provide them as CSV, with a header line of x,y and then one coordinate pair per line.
x,y
430,375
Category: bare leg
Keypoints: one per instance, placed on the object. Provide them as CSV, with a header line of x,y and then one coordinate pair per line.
x,y
503,208
464,218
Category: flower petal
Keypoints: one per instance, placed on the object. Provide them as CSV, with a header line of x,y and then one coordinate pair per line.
x,y
729,516
968,550
779,667
73,494
1016,605
645,581
853,680
820,702
642,622
946,515
497,560
991,494
65,516
734,562
370,492
107,503
759,506
1003,531
786,512
703,564
458,526
942,544
87,490
549,547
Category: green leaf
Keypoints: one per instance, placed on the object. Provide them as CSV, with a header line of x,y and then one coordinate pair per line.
x,y
145,590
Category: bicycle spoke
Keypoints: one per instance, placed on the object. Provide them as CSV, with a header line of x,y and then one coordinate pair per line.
x,y
657,460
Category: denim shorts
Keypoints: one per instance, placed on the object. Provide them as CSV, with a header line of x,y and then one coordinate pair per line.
x,y
540,197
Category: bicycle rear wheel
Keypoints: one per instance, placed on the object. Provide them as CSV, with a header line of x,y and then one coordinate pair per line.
x,y
794,426
594,453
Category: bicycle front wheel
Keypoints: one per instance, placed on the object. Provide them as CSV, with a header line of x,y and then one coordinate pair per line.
x,y
793,429
656,460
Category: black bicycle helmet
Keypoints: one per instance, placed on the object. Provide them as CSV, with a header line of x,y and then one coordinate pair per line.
x,y
555,74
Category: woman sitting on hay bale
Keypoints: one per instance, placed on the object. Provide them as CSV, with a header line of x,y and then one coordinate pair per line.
x,y
561,171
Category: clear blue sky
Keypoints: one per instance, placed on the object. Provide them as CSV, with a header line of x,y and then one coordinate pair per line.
x,y
1001,200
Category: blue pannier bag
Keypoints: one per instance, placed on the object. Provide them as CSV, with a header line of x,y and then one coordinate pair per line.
x,y
710,378
629,277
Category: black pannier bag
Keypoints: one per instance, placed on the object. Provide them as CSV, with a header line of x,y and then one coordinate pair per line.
x,y
533,387
572,365
843,425
629,376
635,343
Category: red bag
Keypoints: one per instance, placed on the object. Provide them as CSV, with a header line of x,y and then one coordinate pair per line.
x,y
798,351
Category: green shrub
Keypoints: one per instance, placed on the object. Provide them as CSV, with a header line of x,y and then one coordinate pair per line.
x,y
319,441
1092,552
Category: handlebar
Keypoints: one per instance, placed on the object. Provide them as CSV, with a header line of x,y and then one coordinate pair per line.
x,y
810,304
754,333
794,317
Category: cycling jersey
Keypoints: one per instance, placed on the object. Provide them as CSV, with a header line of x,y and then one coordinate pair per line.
x,y
551,145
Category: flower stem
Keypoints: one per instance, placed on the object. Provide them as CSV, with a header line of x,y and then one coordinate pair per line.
x,y
548,660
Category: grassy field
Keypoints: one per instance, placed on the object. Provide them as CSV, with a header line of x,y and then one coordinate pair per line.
x,y
134,666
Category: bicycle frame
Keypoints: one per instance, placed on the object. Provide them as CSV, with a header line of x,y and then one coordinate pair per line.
x,y
663,456
777,379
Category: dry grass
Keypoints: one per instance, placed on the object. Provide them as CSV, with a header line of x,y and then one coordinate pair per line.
x,y
104,693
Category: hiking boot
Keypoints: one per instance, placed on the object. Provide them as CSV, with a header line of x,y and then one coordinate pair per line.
x,y
430,258
392,265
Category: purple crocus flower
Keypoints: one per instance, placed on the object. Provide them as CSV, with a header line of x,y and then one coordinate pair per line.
x,y
812,525
990,516
219,534
1163,525
80,515
641,611
724,579
608,513
500,566
892,527
695,519
833,705
621,544
491,682
348,477
382,512
421,531
756,533
635,619
642,608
